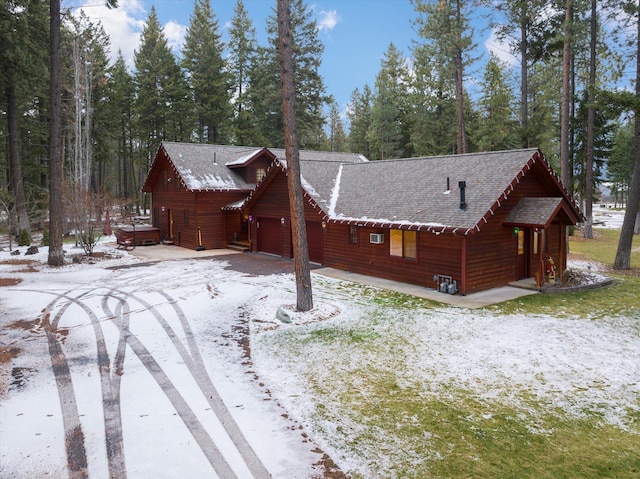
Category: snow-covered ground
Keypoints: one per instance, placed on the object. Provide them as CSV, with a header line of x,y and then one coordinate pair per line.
x,y
607,217
188,322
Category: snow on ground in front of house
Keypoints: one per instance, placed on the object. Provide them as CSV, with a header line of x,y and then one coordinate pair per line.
x,y
574,365
157,444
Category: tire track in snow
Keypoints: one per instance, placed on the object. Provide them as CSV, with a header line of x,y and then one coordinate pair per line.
x,y
194,363
74,437
76,453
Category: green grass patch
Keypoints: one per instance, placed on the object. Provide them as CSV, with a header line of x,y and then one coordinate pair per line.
x,y
623,297
410,434
620,298
603,247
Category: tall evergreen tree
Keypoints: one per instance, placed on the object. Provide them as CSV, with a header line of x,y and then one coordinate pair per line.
x,y
446,42
119,109
389,131
210,82
497,127
309,86
337,135
359,115
296,201
159,85
632,213
22,67
242,52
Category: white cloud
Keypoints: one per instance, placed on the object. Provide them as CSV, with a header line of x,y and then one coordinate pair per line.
x,y
174,33
501,49
123,25
328,20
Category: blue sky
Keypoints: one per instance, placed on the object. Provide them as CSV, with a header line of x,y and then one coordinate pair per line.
x,y
355,33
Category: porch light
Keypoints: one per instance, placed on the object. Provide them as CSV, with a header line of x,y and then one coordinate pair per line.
x,y
324,226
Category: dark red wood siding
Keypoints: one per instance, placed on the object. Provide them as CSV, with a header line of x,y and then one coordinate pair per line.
x,y
195,215
273,203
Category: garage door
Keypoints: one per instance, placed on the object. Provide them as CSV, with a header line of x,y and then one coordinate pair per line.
x,y
270,235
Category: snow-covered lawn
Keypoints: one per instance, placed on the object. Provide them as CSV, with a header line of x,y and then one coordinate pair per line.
x,y
291,394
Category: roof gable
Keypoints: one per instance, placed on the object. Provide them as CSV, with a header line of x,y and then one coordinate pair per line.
x,y
203,167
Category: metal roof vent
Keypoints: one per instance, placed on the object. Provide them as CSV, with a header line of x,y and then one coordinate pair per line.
x,y
463,202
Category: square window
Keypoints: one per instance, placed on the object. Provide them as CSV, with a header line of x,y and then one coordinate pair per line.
x,y
403,244
353,234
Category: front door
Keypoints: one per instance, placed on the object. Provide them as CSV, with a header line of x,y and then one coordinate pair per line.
x,y
269,235
522,260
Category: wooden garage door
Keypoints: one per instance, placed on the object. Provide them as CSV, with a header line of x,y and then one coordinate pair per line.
x,y
270,235
314,241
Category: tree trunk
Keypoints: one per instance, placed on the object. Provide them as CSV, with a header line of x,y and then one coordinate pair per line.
x,y
565,173
296,203
623,254
462,134
524,73
56,164
17,182
588,164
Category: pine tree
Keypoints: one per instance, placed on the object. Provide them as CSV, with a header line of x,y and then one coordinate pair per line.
x,y
159,86
359,115
210,82
22,71
311,98
497,127
337,136
445,42
242,51
388,132
119,108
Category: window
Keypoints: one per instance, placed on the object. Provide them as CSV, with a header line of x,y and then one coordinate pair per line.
x,y
542,240
403,244
353,234
260,173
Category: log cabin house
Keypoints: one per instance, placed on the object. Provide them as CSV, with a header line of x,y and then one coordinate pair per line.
x,y
463,222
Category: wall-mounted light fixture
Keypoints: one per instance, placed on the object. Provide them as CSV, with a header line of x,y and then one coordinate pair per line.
x,y
282,221
163,209
324,226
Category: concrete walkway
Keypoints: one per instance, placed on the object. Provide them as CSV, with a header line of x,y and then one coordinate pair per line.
x,y
476,300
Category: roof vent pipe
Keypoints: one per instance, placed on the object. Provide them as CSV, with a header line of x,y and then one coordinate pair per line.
x,y
448,188
463,186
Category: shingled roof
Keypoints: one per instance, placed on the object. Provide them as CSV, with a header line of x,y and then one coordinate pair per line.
x,y
203,167
409,193
412,193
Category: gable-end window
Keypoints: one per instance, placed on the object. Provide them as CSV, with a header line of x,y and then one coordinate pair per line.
x,y
403,244
260,173
353,234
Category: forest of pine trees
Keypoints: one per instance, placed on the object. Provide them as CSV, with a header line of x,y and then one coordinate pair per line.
x,y
560,98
